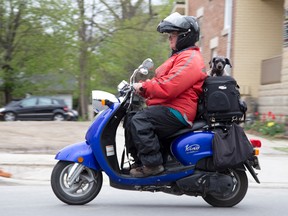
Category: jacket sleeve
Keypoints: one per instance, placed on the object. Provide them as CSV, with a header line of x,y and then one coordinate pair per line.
x,y
186,71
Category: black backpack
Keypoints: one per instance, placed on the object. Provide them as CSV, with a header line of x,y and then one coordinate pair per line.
x,y
220,101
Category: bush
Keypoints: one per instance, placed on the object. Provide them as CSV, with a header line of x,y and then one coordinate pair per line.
x,y
267,124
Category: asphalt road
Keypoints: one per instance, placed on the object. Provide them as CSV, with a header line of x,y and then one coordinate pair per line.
x,y
40,200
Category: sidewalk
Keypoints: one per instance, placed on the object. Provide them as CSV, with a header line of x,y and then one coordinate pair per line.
x,y
37,168
27,168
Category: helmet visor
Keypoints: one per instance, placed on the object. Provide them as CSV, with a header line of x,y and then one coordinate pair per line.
x,y
178,21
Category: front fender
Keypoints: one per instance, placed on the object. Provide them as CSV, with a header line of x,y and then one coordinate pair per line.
x,y
79,153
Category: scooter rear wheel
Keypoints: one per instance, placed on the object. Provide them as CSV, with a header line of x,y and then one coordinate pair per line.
x,y
83,190
237,194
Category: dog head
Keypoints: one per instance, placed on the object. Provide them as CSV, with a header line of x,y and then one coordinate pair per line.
x,y
217,64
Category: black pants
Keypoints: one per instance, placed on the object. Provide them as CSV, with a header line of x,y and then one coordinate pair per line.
x,y
145,128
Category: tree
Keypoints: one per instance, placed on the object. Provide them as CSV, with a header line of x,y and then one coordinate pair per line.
x,y
97,25
135,40
11,14
31,43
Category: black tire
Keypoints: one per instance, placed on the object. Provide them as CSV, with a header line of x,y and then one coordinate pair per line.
x,y
232,199
58,117
85,188
10,116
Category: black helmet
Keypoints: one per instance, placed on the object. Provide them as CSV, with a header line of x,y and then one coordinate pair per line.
x,y
187,26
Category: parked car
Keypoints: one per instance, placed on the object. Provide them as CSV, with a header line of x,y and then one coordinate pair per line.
x,y
72,115
35,108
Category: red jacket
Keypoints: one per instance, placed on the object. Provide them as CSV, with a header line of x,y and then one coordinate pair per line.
x,y
178,83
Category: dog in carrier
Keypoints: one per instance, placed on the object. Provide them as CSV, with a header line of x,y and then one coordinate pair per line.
x,y
217,65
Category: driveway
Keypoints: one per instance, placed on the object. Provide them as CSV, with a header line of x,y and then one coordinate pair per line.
x,y
40,136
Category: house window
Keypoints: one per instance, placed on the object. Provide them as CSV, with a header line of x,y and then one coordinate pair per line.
x,y
285,34
213,53
199,43
199,15
228,14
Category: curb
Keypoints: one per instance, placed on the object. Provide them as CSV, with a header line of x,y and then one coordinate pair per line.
x,y
17,181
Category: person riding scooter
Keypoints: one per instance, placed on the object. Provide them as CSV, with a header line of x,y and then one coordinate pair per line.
x,y
188,166
171,96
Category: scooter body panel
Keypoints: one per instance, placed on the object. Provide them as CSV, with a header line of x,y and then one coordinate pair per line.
x,y
193,146
93,137
93,133
162,179
79,150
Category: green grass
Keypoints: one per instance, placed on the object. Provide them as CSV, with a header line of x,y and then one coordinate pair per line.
x,y
284,149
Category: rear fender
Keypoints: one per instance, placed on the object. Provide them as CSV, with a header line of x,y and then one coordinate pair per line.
x,y
79,153
247,165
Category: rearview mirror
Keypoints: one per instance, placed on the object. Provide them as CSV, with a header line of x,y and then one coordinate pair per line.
x,y
148,64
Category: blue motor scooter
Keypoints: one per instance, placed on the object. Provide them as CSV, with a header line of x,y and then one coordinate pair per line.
x,y
77,177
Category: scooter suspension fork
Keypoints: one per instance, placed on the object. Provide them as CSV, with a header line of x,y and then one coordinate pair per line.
x,y
74,173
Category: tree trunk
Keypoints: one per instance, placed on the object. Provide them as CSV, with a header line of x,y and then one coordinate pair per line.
x,y
83,97
9,82
83,74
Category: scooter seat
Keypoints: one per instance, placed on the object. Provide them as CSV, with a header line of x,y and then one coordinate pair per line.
x,y
196,126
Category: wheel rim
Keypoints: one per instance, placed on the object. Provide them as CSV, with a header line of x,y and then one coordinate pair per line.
x,y
82,185
9,117
58,117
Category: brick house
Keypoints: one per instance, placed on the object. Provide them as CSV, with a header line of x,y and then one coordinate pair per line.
x,y
250,33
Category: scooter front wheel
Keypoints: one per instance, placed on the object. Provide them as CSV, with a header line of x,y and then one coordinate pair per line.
x,y
83,188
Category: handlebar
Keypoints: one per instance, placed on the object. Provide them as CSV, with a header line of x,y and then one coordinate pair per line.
x,y
126,89
143,69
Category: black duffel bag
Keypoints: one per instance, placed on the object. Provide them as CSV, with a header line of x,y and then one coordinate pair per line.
x,y
231,148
